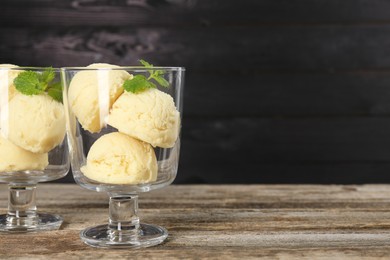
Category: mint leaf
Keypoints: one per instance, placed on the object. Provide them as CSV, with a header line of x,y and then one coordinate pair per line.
x,y
163,82
48,75
137,84
158,72
55,91
146,64
34,83
140,83
28,83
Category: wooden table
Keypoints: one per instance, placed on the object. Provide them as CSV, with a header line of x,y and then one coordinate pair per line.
x,y
225,221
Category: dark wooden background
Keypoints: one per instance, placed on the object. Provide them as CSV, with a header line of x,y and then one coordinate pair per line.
x,y
277,91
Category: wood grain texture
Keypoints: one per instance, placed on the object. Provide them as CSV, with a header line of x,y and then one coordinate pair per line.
x,y
310,150
192,12
287,95
235,49
278,92
282,88
229,221
284,150
276,139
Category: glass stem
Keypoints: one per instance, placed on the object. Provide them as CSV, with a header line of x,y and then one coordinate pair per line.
x,y
123,221
22,209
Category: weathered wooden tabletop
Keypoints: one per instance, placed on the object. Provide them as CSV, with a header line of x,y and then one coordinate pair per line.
x,y
224,221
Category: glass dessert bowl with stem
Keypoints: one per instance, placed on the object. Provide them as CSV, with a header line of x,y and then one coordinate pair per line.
x,y
123,125
33,146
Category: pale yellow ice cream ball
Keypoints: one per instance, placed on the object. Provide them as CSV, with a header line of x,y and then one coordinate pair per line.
x,y
116,158
150,116
14,158
84,98
36,123
12,74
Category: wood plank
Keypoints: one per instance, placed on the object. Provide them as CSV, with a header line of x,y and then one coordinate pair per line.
x,y
287,140
221,172
230,221
191,13
281,150
286,94
285,173
301,150
269,49
266,94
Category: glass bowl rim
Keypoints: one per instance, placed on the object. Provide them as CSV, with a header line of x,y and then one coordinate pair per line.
x,y
135,68
30,68
58,69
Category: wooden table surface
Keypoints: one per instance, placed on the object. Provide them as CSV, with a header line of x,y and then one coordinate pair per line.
x,y
224,221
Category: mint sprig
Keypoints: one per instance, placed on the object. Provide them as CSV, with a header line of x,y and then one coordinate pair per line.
x,y
28,83
141,83
55,91
34,83
137,84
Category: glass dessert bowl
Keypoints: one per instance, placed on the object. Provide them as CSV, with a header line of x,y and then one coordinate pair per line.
x,y
124,138
33,146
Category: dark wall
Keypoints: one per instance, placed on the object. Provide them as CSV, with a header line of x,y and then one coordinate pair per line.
x,y
277,91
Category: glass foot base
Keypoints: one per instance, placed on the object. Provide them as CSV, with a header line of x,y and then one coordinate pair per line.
x,y
42,222
148,235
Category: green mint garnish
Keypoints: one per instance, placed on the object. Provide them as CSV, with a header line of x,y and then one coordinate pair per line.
x,y
55,91
146,64
33,83
137,84
140,83
47,75
28,83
